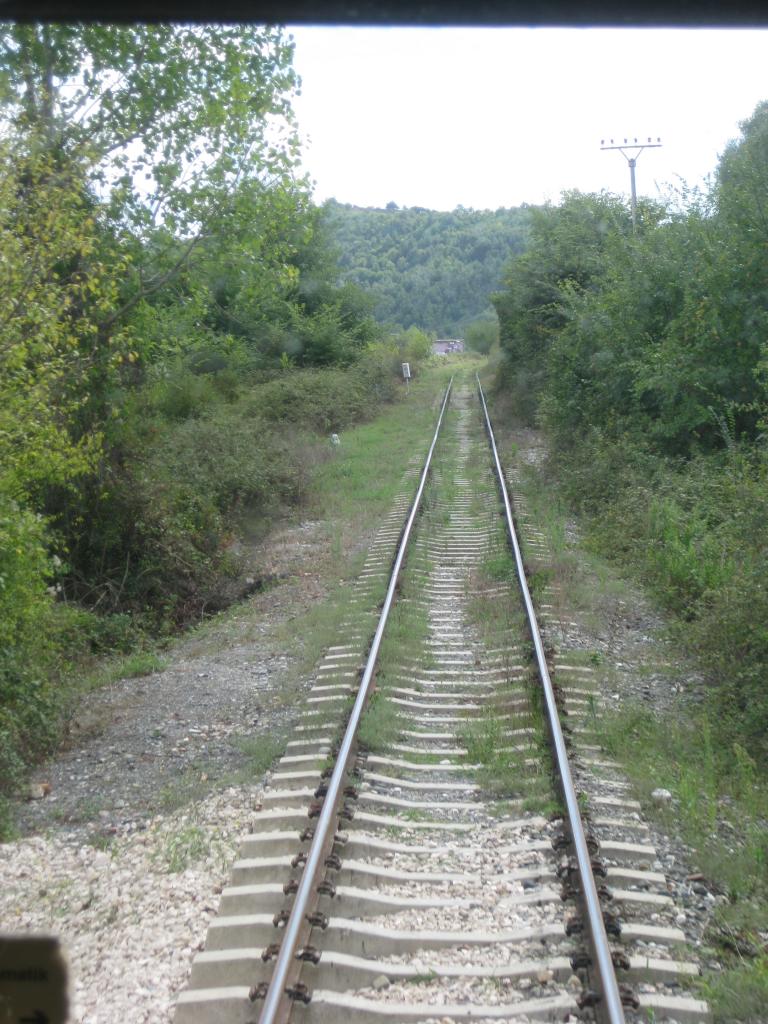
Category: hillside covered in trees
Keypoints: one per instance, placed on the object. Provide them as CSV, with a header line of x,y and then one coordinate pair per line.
x,y
426,268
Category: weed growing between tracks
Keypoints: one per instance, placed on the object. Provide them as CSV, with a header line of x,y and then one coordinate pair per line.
x,y
510,748
380,726
404,642
511,763
507,741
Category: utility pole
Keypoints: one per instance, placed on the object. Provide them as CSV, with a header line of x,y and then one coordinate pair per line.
x,y
637,147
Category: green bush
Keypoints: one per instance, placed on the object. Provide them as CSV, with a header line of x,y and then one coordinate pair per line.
x,y
327,400
482,335
694,531
152,531
185,395
25,571
147,537
27,696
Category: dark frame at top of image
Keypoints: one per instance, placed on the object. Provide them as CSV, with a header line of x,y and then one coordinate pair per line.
x,y
545,13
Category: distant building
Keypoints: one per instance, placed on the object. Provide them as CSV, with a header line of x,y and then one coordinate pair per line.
x,y
443,346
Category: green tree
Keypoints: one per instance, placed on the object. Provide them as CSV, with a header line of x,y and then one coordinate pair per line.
x,y
168,123
565,258
50,273
482,335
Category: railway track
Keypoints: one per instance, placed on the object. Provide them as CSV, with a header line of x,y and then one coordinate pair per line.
x,y
434,862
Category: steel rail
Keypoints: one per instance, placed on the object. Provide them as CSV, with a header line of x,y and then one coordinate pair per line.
x,y
276,995
610,1008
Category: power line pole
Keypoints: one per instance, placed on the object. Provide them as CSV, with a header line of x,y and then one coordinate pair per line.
x,y
638,147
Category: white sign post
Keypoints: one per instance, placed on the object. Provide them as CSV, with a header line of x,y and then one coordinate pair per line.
x,y
407,375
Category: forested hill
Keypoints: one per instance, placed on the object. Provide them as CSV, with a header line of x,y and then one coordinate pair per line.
x,y
436,270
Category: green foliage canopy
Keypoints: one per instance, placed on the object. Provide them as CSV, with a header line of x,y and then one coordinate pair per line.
x,y
425,268
482,335
645,356
169,116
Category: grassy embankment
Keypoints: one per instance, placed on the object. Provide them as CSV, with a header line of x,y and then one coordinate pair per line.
x,y
349,493
720,796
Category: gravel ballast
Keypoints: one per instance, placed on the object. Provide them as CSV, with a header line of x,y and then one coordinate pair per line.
x,y
131,914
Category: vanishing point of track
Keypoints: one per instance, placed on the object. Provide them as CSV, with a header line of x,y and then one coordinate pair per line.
x,y
436,863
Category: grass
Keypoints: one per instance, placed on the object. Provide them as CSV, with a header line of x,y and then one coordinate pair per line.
x,y
426,978
194,784
260,753
365,474
547,806
189,844
744,987
723,816
503,771
130,666
403,641
309,634
380,725
185,847
8,829
499,567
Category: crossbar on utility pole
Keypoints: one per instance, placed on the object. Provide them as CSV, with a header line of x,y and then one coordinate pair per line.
x,y
632,161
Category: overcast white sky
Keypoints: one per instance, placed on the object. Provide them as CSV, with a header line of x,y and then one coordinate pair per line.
x,y
485,118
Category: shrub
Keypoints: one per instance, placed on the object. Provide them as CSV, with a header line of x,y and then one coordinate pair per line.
x,y
482,335
27,698
151,533
328,399
695,532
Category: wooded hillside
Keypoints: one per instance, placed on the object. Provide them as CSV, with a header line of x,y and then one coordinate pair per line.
x,y
431,269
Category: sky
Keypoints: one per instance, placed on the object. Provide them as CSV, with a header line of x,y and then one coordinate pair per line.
x,y
485,118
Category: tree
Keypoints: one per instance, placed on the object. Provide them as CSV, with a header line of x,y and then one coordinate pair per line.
x,y
166,122
132,156
50,272
482,335
741,190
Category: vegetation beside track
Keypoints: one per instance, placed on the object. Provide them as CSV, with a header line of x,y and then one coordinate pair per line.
x,y
642,355
346,488
719,794
719,803
174,344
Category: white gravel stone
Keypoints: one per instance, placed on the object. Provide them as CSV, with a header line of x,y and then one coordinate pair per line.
x,y
130,917
661,796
